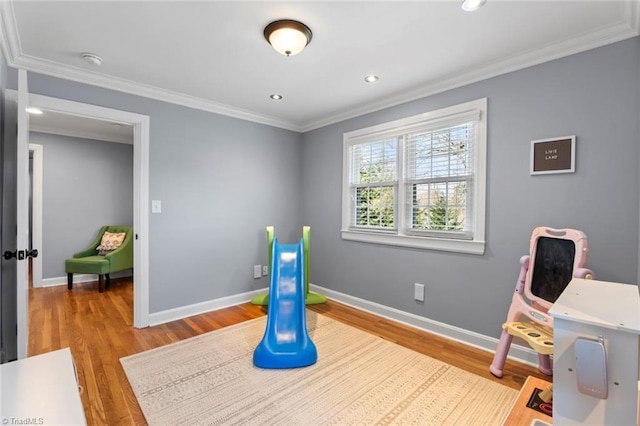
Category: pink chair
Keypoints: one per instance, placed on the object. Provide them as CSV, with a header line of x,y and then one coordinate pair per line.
x,y
555,257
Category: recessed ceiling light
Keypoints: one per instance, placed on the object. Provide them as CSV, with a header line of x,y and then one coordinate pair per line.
x,y
32,110
471,5
371,78
91,58
276,97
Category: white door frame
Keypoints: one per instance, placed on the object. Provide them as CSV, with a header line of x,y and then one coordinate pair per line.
x,y
22,216
36,212
140,125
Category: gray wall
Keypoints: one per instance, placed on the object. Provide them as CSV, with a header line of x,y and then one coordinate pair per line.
x,y
86,184
221,181
593,95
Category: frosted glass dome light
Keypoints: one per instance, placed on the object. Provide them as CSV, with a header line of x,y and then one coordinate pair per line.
x,y
288,37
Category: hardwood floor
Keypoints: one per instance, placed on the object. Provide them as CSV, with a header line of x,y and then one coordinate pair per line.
x,y
98,327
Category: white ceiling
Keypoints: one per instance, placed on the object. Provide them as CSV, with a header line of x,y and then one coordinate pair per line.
x,y
213,56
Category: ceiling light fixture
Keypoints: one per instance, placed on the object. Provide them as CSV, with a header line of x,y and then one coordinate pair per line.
x,y
371,78
276,97
287,36
91,58
472,5
32,110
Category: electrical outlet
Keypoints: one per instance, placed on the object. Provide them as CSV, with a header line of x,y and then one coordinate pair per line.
x,y
265,270
257,271
418,292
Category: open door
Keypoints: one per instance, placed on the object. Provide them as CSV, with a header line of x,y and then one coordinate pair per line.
x,y
15,225
21,252
22,215
8,295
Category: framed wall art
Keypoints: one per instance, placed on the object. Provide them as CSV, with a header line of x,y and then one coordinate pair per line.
x,y
555,155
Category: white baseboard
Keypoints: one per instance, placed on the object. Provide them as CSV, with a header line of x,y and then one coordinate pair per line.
x,y
174,314
80,278
77,278
517,352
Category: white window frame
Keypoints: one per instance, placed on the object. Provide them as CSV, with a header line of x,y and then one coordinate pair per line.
x,y
399,236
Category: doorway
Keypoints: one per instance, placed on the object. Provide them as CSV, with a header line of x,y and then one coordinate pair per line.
x,y
88,184
140,125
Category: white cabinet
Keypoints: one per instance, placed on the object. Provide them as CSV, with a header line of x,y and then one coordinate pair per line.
x,y
42,389
597,309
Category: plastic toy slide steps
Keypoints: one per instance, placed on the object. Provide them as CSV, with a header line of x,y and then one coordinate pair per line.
x,y
286,342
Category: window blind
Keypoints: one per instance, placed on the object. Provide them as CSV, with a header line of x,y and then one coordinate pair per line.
x,y
439,176
373,182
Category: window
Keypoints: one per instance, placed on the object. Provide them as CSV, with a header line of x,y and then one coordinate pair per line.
x,y
419,181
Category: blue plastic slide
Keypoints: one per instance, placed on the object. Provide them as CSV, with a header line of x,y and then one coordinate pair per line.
x,y
286,342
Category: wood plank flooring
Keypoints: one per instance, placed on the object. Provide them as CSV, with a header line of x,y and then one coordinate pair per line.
x,y
98,327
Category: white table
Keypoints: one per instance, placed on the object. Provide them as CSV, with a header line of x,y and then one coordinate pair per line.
x,y
42,389
590,309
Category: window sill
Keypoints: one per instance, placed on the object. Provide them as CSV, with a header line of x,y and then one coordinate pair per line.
x,y
427,243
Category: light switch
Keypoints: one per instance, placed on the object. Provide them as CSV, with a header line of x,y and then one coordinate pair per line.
x,y
156,206
418,292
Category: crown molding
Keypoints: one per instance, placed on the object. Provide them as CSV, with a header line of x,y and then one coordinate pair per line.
x,y
79,75
9,39
608,35
10,44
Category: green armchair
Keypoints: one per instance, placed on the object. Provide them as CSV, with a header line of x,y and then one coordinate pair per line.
x,y
88,261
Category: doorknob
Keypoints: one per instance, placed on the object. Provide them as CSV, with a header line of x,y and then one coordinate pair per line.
x,y
20,255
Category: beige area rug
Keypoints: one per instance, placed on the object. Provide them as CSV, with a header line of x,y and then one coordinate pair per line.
x,y
359,379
